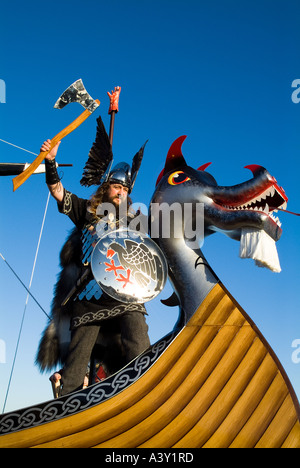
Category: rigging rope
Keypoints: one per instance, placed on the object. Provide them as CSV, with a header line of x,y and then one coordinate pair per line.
x,y
19,147
13,271
24,286
26,302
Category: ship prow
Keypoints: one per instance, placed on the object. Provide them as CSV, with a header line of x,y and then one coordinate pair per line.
x,y
214,383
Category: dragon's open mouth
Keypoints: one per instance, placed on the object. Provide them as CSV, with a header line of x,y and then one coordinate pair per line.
x,y
267,202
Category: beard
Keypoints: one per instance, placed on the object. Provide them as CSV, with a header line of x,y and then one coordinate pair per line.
x,y
119,204
101,196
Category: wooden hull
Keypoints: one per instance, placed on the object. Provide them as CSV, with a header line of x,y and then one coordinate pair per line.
x,y
217,384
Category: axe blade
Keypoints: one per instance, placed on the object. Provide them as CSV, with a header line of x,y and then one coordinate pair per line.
x,y
76,92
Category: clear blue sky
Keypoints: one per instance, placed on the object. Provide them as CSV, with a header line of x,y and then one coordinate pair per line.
x,y
220,72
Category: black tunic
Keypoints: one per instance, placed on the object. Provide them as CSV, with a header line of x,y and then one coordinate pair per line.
x,y
92,311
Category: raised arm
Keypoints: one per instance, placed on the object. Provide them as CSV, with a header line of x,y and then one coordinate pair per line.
x,y
52,179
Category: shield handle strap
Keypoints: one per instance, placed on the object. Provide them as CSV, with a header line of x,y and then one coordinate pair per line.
x,y
21,178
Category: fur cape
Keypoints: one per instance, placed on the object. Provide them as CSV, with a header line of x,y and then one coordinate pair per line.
x,y
53,347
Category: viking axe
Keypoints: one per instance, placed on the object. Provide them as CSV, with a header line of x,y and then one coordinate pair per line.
x,y
74,93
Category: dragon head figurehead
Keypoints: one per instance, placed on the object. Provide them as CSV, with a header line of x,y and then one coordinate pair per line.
x,y
251,204
243,212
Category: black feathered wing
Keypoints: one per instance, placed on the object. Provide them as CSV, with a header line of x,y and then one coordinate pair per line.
x,y
100,157
136,163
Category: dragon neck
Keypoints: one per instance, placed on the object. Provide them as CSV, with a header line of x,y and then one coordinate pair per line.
x,y
189,272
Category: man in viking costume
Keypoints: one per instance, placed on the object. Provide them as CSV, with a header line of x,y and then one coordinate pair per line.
x,y
91,310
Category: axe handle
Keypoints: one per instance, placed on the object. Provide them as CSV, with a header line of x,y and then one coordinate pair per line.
x,y
21,178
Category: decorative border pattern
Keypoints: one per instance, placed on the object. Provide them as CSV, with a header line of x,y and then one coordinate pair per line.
x,y
104,314
87,398
67,202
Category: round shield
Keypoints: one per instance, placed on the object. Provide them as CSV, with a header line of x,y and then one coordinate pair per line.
x,y
129,266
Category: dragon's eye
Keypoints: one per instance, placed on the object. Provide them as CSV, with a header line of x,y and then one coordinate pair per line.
x,y
178,177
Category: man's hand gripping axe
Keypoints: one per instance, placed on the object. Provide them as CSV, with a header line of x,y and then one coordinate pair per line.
x,y
74,93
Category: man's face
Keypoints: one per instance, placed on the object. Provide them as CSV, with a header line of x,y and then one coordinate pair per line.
x,y
117,194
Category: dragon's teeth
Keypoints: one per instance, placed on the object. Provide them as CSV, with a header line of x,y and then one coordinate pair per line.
x,y
283,206
272,191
